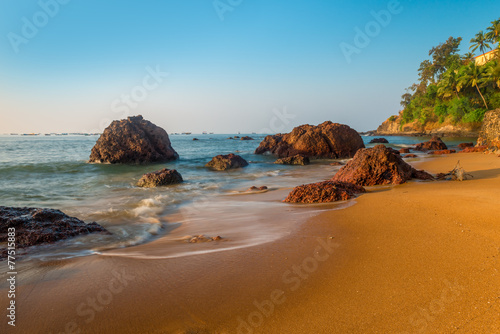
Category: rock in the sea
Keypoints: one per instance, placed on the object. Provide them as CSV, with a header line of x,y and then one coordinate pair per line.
x,y
337,163
295,160
254,188
411,156
160,178
490,131
476,149
465,145
133,140
404,150
435,144
379,141
201,238
246,138
378,165
327,140
195,139
36,226
441,152
229,161
324,192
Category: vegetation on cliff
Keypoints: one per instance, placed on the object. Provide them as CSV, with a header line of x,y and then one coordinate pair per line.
x,y
455,88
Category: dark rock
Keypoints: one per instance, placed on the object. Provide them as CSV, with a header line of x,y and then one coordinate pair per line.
x,y
435,144
223,162
327,140
490,131
295,160
411,156
263,188
323,192
36,226
377,165
404,150
246,138
160,178
379,141
133,140
236,137
465,145
254,188
202,238
442,152
195,139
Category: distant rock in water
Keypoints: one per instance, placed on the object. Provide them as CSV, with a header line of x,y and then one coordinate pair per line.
x,y
246,138
324,192
435,144
404,150
295,160
36,226
133,140
229,161
376,166
379,141
465,145
490,131
160,178
327,140
194,139
410,156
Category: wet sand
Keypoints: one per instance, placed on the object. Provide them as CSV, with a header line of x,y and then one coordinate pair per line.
x,y
422,257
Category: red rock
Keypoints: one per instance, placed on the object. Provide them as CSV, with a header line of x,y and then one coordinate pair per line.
x,y
160,178
295,160
477,149
434,144
490,131
337,163
442,152
263,188
323,192
410,156
133,140
246,138
327,140
465,145
404,150
229,161
378,165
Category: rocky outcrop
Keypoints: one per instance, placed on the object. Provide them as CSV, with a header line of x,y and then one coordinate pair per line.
x,y
36,226
295,160
465,145
378,165
133,140
477,149
441,152
324,192
229,161
160,178
327,140
435,144
490,131
379,141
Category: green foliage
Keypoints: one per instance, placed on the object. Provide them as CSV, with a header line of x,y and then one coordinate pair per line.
x,y
392,118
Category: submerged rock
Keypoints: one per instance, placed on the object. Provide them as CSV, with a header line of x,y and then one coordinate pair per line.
x,y
410,156
229,161
295,160
327,140
254,188
246,138
133,140
404,150
442,152
379,141
36,226
324,192
160,178
434,144
376,166
490,131
465,145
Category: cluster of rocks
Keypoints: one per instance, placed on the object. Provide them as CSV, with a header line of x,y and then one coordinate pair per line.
x,y
201,238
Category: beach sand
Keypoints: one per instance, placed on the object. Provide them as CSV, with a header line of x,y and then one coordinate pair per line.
x,y
422,257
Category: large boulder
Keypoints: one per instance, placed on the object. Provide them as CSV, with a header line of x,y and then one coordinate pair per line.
x,y
160,178
133,140
378,165
490,131
324,192
435,144
327,140
229,161
295,160
39,226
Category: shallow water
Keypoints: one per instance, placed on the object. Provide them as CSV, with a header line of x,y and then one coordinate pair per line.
x,y
50,171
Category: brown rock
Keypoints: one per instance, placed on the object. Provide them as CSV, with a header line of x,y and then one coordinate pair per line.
x,y
194,139
442,152
379,141
133,140
327,140
295,160
378,165
160,178
323,192
490,131
229,161
36,226
410,156
434,144
263,188
477,149
337,163
465,145
246,138
404,150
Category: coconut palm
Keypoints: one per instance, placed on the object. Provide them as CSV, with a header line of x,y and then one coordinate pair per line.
x,y
468,57
470,76
493,34
479,42
493,75
448,84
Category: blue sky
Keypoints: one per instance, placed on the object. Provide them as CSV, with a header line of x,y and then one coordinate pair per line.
x,y
76,69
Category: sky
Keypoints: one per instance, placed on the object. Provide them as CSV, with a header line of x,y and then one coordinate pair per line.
x,y
222,66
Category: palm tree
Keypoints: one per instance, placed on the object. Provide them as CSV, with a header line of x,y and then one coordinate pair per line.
x,y
470,76
479,42
467,58
493,74
493,34
449,84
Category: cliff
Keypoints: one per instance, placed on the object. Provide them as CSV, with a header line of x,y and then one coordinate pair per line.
x,y
490,131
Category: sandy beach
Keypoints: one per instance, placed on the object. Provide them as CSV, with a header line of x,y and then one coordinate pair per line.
x,y
422,257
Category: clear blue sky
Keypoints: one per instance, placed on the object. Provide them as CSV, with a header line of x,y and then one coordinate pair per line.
x,y
73,73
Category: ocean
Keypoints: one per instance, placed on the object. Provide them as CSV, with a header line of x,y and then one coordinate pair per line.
x,y
52,172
